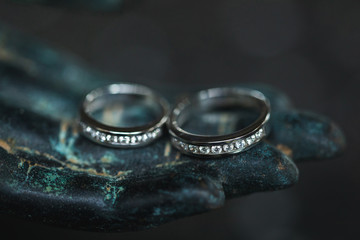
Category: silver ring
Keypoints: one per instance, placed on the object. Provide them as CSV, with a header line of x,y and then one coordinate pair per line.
x,y
122,137
218,145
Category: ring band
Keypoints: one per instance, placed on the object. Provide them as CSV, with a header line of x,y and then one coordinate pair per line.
x,y
122,137
217,145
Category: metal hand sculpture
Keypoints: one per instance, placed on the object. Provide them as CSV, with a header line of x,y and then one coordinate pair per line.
x,y
51,174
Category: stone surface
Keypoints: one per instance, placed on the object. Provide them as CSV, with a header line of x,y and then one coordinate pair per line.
x,y
51,174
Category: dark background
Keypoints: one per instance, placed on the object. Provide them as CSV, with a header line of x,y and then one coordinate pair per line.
x,y
309,49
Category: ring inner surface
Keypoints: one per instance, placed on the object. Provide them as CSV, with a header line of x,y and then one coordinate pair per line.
x,y
220,115
124,110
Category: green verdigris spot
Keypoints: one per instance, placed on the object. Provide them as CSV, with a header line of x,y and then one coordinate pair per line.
x,y
112,192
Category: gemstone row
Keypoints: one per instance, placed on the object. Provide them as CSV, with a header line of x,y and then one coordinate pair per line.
x,y
120,139
234,146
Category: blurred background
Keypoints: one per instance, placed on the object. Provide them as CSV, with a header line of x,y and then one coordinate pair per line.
x,y
308,49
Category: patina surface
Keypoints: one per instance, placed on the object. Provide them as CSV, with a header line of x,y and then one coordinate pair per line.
x,y
49,173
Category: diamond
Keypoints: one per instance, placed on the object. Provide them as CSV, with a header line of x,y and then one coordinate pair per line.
x,y
240,144
228,147
251,139
97,135
193,149
133,139
183,145
204,149
216,149
94,134
108,138
145,137
114,139
259,133
154,133
88,129
124,139
150,135
102,137
157,131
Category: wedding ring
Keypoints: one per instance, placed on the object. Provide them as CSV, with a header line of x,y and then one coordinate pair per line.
x,y
123,94
219,145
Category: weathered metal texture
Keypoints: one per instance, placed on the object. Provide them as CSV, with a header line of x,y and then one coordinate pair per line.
x,y
49,173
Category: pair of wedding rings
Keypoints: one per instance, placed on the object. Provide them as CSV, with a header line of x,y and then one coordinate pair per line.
x,y
185,141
